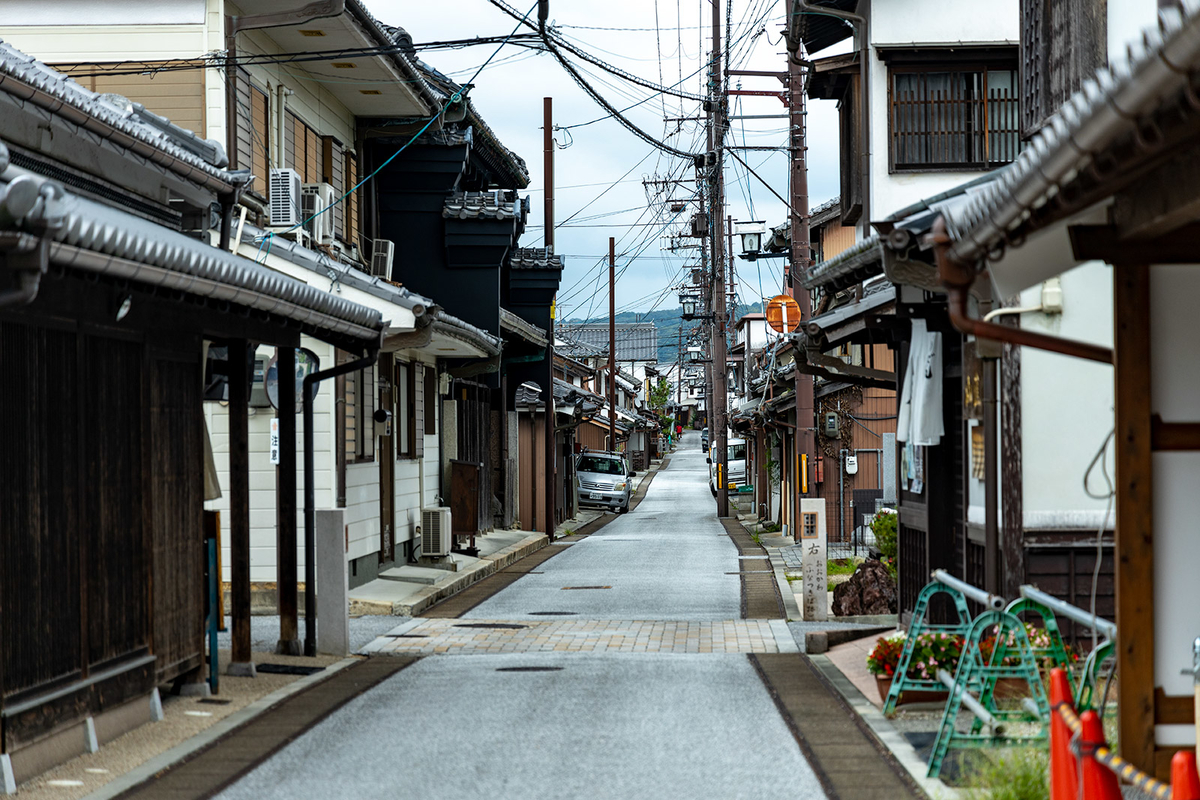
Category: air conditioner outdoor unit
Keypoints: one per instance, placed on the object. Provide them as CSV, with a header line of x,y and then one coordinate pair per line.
x,y
284,191
382,253
317,204
436,538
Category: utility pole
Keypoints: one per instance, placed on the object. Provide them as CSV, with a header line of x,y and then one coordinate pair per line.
x,y
716,142
548,433
801,257
612,344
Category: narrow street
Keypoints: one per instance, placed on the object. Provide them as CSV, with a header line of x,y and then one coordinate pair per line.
x,y
635,684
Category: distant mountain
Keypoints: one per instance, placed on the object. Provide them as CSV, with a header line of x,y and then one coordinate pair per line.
x,y
666,322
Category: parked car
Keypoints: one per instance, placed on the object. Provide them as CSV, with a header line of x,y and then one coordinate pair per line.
x,y
704,440
604,480
735,464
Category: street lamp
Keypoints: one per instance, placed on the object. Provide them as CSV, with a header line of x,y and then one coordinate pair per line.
x,y
751,233
689,307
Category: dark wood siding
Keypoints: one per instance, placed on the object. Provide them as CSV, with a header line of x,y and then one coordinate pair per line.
x,y
101,495
117,605
39,510
178,501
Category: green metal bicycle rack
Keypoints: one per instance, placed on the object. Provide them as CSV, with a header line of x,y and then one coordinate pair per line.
x,y
1055,652
974,675
959,592
1085,692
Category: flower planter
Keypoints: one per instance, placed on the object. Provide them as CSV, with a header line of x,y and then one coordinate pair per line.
x,y
1006,688
909,696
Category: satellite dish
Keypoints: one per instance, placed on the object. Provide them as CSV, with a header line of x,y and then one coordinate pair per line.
x,y
306,364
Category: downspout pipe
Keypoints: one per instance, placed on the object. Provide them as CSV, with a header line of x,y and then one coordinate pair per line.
x,y
310,493
863,28
957,279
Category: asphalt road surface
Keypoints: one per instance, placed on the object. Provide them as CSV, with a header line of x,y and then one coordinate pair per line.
x,y
639,689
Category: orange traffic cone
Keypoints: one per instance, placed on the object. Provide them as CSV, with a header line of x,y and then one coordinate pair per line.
x,y
1064,777
1099,782
1185,782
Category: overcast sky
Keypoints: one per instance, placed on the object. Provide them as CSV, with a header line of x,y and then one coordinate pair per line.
x,y
625,34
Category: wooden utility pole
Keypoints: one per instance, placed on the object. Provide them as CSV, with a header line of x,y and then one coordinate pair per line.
x,y
241,662
801,257
285,491
612,344
716,145
548,434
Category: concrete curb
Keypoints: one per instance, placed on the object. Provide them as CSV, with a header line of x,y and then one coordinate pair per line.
x,y
904,753
181,751
454,583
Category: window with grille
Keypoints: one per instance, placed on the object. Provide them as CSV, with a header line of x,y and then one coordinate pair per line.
x,y
960,118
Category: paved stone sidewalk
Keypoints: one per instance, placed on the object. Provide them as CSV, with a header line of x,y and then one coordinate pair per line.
x,y
461,636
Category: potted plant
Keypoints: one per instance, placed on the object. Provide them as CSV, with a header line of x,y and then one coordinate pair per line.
x,y
931,652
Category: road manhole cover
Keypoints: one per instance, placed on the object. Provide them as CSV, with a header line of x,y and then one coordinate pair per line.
x,y
553,613
529,669
503,625
565,588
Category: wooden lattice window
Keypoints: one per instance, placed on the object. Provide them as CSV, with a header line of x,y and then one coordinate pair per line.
x,y
350,233
946,119
260,123
307,151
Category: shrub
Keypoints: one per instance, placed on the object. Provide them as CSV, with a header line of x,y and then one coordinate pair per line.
x,y
883,525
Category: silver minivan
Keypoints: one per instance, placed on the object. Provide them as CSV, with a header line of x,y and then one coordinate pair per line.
x,y
604,480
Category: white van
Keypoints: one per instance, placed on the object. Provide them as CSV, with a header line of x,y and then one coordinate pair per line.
x,y
735,463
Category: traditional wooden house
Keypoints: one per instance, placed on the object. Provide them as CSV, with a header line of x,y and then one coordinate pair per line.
x,y
110,296
1106,193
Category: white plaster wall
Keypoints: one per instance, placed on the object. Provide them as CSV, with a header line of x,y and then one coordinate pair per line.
x,y
1066,403
935,21
409,501
907,22
1175,394
262,473
1126,20
66,13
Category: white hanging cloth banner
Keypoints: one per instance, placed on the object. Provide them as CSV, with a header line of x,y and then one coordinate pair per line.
x,y
920,419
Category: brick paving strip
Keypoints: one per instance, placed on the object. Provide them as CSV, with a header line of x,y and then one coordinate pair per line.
x,y
456,605
760,590
847,758
482,637
208,771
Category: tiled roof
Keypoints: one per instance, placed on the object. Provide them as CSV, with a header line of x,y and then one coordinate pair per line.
x,y
138,130
93,237
636,341
482,205
534,258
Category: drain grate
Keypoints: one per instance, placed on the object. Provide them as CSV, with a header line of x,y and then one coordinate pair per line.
x,y
553,613
565,588
529,669
287,669
406,635
213,701
503,625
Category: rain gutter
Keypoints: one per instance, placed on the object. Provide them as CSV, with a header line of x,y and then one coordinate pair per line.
x,y
958,278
